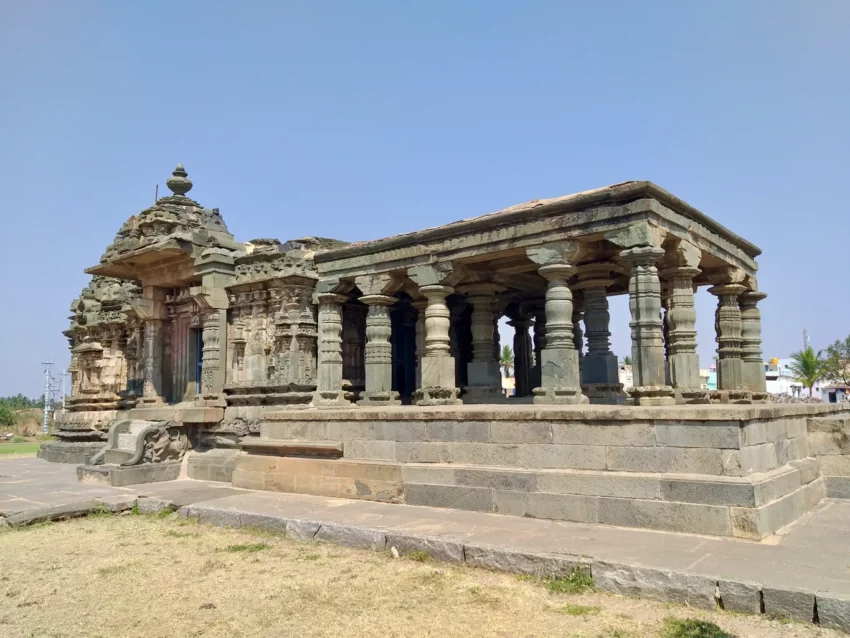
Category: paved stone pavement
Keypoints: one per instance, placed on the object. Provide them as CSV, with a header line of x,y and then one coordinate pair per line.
x,y
782,575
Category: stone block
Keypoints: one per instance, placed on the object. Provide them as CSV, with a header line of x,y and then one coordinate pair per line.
x,y
837,486
614,433
118,502
776,486
437,548
665,459
483,454
560,507
788,450
366,470
221,473
497,480
834,611
762,521
796,426
599,484
300,430
708,492
758,458
462,498
740,597
355,430
673,517
824,443
520,432
569,457
272,524
458,431
248,480
369,490
374,450
788,604
51,513
279,482
828,424
711,435
404,431
813,494
422,453
753,433
656,584
198,471
302,530
154,505
220,517
775,430
835,465
507,560
731,461
349,536
428,475
256,463
809,469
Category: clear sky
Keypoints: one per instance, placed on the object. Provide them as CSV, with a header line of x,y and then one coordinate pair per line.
x,y
357,120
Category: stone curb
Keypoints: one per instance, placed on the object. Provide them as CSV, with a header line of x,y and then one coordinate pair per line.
x,y
696,590
69,510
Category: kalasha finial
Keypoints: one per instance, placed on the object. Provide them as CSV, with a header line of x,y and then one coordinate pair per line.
x,y
179,183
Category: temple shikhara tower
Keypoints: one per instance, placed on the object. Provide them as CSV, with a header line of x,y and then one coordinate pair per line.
x,y
371,370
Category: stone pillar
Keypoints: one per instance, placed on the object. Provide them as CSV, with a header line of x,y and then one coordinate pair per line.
x,y
578,334
438,366
681,341
647,339
727,322
560,376
420,306
522,356
483,372
329,391
379,354
212,374
752,363
539,343
152,365
600,381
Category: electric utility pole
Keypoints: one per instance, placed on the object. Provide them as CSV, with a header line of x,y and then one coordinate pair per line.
x,y
47,383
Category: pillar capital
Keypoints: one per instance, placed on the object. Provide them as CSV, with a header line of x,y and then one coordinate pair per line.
x,y
727,290
557,272
751,298
437,273
562,252
642,255
378,300
324,298
377,284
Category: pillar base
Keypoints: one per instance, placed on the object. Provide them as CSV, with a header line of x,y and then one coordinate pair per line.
x,y
653,395
331,399
474,394
731,396
379,399
559,396
436,396
604,393
691,396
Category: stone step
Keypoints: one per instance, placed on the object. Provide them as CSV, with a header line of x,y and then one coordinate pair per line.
x,y
117,457
292,447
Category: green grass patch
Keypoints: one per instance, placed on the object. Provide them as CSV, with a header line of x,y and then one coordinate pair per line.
x,y
420,556
249,548
578,581
581,610
19,447
691,628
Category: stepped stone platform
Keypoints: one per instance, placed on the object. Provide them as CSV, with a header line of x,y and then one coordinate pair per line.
x,y
725,470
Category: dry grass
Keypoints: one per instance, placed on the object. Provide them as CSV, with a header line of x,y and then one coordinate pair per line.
x,y
144,576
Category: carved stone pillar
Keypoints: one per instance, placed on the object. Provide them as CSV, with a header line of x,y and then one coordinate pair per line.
x,y
379,354
752,363
522,355
599,366
681,335
483,373
539,342
329,391
152,365
438,366
727,323
560,376
212,375
647,339
578,334
420,306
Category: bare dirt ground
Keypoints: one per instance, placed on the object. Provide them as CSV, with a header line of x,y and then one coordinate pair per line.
x,y
136,575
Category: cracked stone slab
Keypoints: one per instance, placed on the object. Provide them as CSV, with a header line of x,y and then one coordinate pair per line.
x,y
834,611
437,548
506,560
52,513
740,597
789,604
302,530
349,536
695,590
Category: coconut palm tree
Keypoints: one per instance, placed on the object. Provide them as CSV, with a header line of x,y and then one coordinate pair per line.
x,y
506,360
807,366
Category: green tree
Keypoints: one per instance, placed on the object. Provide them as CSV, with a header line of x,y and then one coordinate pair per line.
x,y
627,361
7,416
807,366
837,363
506,360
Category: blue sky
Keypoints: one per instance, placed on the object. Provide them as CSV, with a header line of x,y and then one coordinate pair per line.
x,y
358,120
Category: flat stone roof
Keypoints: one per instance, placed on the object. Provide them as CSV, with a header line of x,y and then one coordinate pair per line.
x,y
617,193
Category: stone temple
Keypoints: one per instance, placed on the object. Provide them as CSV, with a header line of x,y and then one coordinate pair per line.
x,y
370,370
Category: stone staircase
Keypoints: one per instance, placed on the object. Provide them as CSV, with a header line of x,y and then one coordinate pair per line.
x,y
125,444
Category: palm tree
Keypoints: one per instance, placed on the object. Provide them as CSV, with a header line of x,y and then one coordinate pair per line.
x,y
807,367
506,360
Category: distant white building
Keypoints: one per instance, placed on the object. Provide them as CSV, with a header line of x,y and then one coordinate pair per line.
x,y
780,380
